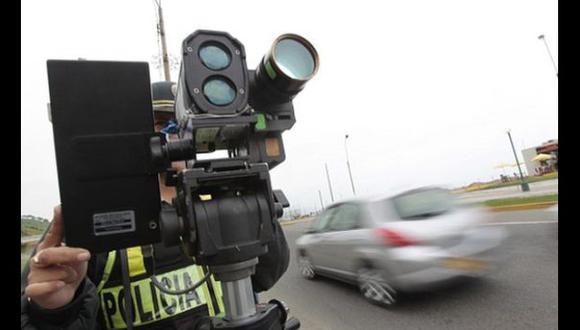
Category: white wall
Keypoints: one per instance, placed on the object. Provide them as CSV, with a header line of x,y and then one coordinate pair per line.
x,y
530,165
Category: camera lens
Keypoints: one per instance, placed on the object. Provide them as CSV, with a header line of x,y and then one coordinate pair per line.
x,y
294,59
215,56
219,91
283,72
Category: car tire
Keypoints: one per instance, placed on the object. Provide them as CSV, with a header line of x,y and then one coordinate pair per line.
x,y
306,267
375,289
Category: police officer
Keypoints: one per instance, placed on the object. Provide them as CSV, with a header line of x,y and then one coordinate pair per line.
x,y
68,288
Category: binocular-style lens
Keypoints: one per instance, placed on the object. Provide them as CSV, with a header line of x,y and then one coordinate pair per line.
x,y
219,91
215,56
213,77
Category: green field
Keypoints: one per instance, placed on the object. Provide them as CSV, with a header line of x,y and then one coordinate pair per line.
x,y
31,227
521,200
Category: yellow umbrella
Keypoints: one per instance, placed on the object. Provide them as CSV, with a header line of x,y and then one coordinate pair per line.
x,y
542,157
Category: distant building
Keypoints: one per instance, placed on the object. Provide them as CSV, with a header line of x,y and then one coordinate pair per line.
x,y
549,147
32,217
531,165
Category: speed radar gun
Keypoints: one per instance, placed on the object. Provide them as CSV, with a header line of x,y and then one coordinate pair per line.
x,y
109,159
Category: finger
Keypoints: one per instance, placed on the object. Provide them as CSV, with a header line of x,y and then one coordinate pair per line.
x,y
59,255
73,275
54,235
40,289
54,273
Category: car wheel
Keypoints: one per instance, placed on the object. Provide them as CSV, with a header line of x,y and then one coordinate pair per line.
x,y
306,267
375,288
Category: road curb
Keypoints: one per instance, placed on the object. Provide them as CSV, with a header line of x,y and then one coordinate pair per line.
x,y
520,207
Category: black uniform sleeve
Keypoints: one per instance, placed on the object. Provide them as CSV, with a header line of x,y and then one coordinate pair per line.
x,y
273,264
81,313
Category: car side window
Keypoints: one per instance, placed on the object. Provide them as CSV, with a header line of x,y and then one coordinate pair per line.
x,y
323,221
346,218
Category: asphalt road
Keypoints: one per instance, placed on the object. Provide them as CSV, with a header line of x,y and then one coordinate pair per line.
x,y
521,295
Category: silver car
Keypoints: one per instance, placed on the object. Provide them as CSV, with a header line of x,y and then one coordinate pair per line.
x,y
411,241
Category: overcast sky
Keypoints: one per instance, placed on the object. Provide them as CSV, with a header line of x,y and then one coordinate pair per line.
x,y
425,89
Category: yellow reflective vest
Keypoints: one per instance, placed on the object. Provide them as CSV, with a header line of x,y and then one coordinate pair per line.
x,y
150,305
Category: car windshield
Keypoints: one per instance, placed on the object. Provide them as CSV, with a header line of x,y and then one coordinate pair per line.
x,y
422,204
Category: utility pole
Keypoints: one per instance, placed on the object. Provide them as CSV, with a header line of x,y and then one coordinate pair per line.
x,y
525,186
348,165
541,37
161,31
320,196
329,185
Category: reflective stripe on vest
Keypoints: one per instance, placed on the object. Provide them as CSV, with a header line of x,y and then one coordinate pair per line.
x,y
149,304
108,269
136,262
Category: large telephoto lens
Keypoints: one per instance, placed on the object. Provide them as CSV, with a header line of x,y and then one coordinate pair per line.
x,y
294,59
289,64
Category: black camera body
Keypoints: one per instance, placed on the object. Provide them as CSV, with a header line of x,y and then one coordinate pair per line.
x,y
102,122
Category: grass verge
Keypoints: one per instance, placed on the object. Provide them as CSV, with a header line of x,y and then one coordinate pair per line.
x,y
504,202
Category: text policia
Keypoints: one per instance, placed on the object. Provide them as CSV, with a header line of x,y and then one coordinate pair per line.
x,y
149,304
225,208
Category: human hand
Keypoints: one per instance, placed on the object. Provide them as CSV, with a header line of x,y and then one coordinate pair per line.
x,y
56,271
